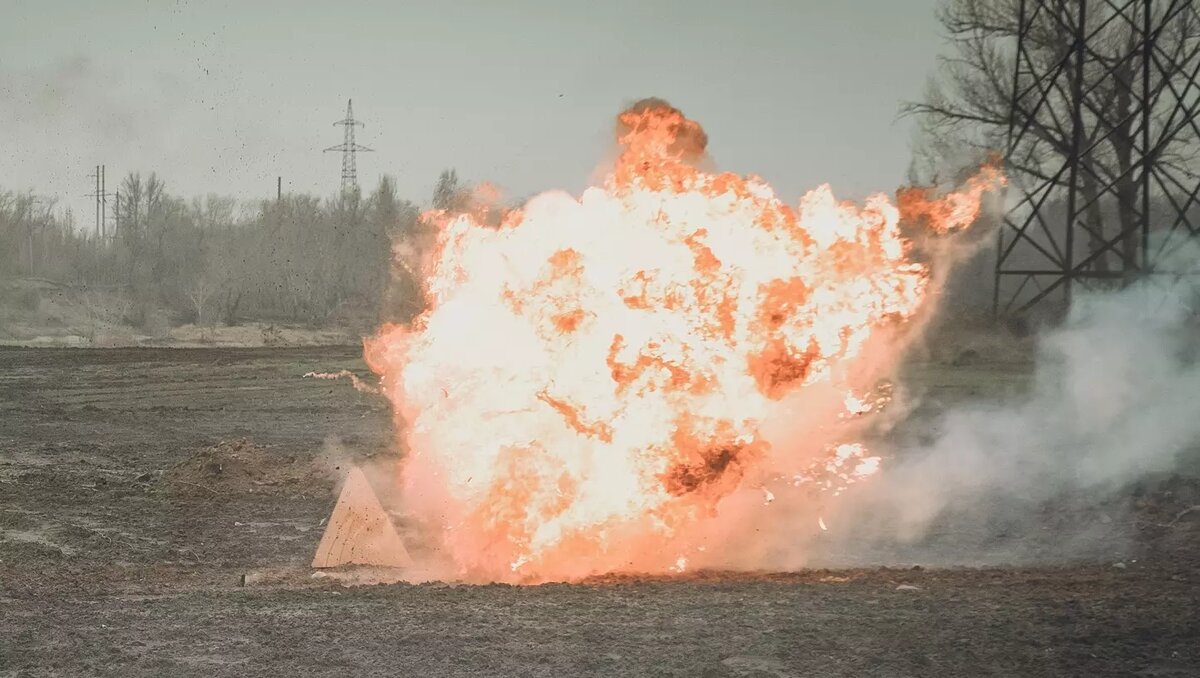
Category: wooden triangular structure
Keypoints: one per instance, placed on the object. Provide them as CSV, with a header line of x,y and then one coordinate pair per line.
x,y
360,531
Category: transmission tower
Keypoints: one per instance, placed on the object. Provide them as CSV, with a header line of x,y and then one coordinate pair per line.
x,y
1101,146
349,148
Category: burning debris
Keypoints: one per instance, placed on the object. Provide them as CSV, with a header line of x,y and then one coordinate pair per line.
x,y
597,379
355,380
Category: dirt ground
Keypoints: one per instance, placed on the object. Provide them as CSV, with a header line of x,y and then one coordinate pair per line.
x,y
138,486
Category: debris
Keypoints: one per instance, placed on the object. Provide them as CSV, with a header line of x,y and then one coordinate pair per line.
x,y
908,587
355,380
1119,566
966,358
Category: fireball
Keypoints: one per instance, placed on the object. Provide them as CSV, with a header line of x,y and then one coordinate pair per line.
x,y
610,382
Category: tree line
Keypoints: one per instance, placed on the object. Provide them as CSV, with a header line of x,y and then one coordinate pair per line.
x,y
297,259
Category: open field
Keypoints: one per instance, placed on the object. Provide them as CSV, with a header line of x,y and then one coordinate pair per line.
x,y
108,566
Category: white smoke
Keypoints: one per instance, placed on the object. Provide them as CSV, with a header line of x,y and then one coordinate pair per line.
x,y
1115,399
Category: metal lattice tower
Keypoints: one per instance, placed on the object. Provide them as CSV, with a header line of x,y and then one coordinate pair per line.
x,y
349,148
1103,146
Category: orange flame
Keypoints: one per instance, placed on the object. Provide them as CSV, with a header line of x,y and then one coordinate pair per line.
x,y
955,211
598,379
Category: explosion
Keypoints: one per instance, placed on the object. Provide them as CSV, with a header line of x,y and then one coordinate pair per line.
x,y
632,379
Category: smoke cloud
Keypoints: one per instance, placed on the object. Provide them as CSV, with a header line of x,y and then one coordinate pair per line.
x,y
1113,401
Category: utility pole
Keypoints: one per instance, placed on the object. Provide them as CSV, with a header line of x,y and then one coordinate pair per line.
x,y
30,219
103,203
101,196
96,175
348,149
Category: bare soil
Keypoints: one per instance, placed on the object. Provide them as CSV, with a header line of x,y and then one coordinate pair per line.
x,y
138,486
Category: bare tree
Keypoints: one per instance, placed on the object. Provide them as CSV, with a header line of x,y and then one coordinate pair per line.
x,y
200,292
450,193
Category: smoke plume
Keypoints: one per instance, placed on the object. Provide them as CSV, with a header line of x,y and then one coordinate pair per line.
x,y
1112,402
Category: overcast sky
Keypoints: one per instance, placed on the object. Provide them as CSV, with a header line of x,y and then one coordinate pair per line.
x,y
224,96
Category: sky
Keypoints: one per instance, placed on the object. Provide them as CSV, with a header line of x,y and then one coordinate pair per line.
x,y
223,97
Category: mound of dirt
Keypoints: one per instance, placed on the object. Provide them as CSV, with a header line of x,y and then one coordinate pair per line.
x,y
242,467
